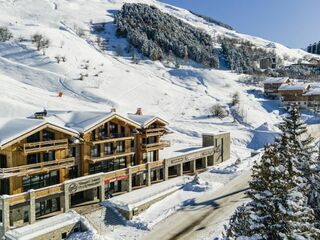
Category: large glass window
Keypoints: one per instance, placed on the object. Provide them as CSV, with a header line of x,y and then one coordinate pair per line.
x,y
95,151
108,165
150,156
102,132
49,156
33,158
121,146
34,138
48,135
108,148
47,206
39,181
113,128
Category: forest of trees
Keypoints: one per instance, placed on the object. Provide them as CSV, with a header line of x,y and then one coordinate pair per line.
x,y
242,56
314,48
156,34
284,190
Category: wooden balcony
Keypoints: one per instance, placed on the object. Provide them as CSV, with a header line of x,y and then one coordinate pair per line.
x,y
113,138
36,168
45,146
151,132
156,146
128,152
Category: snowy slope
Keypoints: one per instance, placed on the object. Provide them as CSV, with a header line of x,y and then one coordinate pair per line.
x,y
31,81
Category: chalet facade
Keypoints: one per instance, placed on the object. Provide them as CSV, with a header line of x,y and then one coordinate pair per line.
x,y
294,93
271,85
290,91
57,160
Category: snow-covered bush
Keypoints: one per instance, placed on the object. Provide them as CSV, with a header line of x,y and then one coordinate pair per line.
x,y
5,34
155,34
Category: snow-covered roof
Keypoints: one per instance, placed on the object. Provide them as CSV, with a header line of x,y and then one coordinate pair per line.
x,y
42,227
81,121
145,120
293,86
12,129
276,80
313,92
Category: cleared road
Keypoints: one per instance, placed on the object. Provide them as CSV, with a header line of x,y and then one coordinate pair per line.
x,y
208,213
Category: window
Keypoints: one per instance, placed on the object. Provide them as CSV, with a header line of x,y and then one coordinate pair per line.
x,y
33,158
4,186
47,206
26,216
49,156
72,152
102,132
108,148
121,146
34,138
93,135
3,161
73,172
39,181
113,129
149,156
64,235
48,135
108,165
95,151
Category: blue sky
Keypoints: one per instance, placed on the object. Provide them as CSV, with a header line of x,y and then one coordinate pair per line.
x,y
294,23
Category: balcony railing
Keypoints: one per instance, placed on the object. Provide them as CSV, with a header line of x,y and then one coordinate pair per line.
x,y
112,138
36,167
115,154
45,146
158,145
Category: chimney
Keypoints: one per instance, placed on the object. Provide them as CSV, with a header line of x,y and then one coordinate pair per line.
x,y
139,111
113,109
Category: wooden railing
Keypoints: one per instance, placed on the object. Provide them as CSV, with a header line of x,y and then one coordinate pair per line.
x,y
39,193
161,144
36,167
113,138
129,151
150,130
45,146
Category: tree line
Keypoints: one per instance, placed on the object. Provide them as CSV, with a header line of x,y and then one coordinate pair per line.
x,y
156,34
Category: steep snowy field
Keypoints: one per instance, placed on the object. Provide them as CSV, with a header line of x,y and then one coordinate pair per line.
x,y
31,81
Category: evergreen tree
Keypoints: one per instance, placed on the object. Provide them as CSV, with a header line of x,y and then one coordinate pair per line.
x,y
279,206
304,150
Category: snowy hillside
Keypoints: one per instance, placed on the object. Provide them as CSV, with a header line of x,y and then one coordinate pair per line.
x,y
31,81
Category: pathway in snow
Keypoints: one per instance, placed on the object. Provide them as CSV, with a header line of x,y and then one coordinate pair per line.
x,y
206,216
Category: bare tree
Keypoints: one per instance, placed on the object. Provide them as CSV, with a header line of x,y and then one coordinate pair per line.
x,y
218,111
5,34
40,41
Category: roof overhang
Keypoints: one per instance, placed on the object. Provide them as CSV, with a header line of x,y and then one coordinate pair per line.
x,y
109,118
31,131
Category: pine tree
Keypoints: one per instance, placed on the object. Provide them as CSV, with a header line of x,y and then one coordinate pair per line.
x,y
279,206
308,163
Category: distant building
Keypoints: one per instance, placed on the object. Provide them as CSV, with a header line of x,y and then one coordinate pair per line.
x,y
271,85
294,93
268,63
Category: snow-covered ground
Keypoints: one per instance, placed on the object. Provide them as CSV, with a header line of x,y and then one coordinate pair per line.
x,y
31,81
192,189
